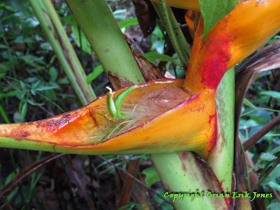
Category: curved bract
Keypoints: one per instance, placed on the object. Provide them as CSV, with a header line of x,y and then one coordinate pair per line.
x,y
189,17
184,4
160,116
189,126
249,26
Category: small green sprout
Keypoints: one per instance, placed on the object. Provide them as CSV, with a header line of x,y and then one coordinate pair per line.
x,y
114,107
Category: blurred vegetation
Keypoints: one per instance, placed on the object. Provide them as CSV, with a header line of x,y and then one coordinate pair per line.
x,y
33,87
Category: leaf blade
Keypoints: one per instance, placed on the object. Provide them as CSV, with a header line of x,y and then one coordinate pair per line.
x,y
213,11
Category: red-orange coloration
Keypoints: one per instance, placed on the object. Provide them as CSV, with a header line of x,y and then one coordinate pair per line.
x,y
232,39
188,125
213,139
193,129
184,155
189,17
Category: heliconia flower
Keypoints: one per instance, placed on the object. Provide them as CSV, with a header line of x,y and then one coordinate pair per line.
x,y
162,115
150,128
249,26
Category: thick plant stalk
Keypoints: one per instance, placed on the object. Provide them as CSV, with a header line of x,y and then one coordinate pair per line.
x,y
173,29
183,172
176,36
180,172
61,45
221,156
106,38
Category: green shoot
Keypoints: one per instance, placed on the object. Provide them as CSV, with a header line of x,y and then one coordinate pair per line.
x,y
114,107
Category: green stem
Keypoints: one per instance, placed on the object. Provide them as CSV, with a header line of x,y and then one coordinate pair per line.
x,y
179,175
169,166
176,36
10,55
60,43
76,67
180,37
81,47
221,156
246,165
103,33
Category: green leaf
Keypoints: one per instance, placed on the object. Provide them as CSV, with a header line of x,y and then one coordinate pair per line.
x,y
119,99
272,176
275,185
245,124
3,46
118,11
120,14
22,85
129,22
85,43
6,66
152,56
275,150
53,73
273,94
273,206
151,176
21,94
261,115
33,103
31,58
158,45
20,39
248,103
46,46
23,111
35,85
41,88
158,33
5,117
213,11
160,202
129,206
9,179
100,86
9,94
268,156
70,20
64,81
22,6
96,72
2,74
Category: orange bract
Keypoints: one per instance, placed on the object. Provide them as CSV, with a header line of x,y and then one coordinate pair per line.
x,y
195,124
189,17
161,116
249,26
